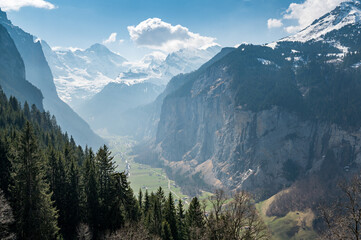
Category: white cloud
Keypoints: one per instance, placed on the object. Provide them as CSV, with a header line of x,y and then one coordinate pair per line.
x,y
308,11
112,38
156,34
274,23
15,5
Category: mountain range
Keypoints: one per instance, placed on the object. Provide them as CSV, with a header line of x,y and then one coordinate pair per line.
x,y
38,73
97,80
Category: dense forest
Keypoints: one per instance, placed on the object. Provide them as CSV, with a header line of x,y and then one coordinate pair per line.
x,y
52,188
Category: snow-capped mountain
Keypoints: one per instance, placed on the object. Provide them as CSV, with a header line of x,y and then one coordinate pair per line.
x,y
159,68
347,13
80,74
335,34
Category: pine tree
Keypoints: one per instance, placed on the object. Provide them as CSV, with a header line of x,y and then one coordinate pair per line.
x,y
166,231
127,197
194,219
72,202
91,193
170,216
182,231
140,199
35,216
106,168
5,167
146,203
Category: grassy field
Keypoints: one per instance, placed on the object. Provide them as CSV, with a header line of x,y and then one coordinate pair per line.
x,y
293,226
142,176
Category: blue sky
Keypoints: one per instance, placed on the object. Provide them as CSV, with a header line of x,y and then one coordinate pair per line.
x,y
81,23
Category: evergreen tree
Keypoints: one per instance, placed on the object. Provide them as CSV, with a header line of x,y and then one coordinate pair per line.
x,y
140,199
106,168
72,203
170,216
146,203
91,193
35,216
5,167
194,219
127,197
166,231
182,230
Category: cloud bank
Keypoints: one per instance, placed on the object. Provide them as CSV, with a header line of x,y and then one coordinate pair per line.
x,y
304,13
15,5
155,34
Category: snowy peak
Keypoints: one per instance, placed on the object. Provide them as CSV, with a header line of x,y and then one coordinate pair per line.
x,y
79,74
347,13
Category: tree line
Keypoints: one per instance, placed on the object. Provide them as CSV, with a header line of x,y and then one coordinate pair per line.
x,y
51,188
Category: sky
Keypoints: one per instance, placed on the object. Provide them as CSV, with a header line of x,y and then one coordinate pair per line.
x,y
134,28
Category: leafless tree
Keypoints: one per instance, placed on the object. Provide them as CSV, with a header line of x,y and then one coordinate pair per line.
x,y
236,219
343,218
84,232
6,219
136,231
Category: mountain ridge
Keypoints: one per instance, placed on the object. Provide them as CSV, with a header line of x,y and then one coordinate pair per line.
x,y
38,73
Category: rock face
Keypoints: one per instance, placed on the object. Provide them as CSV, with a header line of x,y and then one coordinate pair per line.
x,y
12,73
38,73
261,117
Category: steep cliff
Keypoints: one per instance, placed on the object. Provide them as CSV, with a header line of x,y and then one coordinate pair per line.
x,y
12,73
261,117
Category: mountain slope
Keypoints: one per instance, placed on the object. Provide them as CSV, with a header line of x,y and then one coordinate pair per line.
x,y
12,73
38,73
262,117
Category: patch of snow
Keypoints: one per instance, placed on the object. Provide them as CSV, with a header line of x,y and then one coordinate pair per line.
x,y
356,65
264,61
272,45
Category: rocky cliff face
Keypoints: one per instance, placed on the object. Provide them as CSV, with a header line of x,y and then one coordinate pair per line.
x,y
12,73
262,117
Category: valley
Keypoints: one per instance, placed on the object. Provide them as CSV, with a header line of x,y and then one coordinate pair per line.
x,y
158,132
142,176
